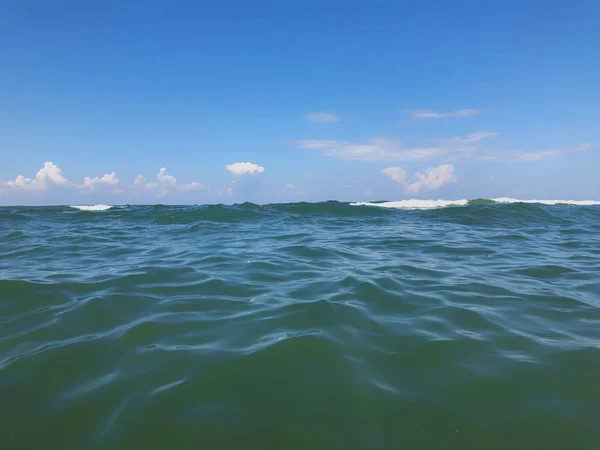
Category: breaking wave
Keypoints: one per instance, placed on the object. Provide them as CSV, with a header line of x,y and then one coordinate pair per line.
x,y
432,204
92,207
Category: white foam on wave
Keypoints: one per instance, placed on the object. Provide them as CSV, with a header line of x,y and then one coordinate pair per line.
x,y
415,204
92,207
548,202
432,204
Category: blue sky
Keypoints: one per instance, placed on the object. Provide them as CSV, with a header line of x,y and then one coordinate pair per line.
x,y
341,100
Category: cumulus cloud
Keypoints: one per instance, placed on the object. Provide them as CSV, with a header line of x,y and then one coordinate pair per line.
x,y
433,114
395,173
384,149
166,183
247,181
51,175
322,117
245,168
23,182
162,177
431,178
106,179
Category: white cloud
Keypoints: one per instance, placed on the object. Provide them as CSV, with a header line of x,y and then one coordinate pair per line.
x,y
540,156
377,149
553,154
194,186
230,188
50,174
469,139
23,182
430,178
432,114
384,149
165,183
162,177
323,117
433,178
395,173
107,179
245,168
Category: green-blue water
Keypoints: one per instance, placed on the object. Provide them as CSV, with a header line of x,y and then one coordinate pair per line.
x,y
300,326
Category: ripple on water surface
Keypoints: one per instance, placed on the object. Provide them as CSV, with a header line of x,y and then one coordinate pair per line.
x,y
329,325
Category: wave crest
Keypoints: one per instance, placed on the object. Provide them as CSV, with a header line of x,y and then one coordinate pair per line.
x,y
415,204
434,204
91,207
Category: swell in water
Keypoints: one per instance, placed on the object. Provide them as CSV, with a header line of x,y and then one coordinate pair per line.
x,y
301,325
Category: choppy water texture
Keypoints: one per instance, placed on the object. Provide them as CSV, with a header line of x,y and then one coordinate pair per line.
x,y
300,326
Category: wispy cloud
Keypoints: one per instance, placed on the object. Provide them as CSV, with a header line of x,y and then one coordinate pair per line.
x,y
420,114
553,154
193,186
539,156
377,149
430,178
384,149
469,139
245,168
322,117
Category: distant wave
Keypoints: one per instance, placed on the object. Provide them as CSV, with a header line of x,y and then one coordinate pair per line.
x,y
433,204
548,202
92,207
415,204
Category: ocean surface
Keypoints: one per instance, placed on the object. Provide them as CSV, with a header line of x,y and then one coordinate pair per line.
x,y
401,325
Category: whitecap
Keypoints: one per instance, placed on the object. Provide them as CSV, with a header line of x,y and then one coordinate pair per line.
x,y
92,207
433,204
548,202
415,204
